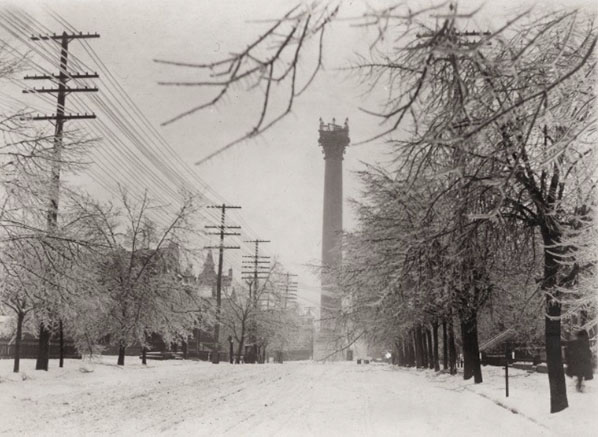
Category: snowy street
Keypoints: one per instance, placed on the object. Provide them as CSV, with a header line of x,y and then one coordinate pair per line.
x,y
294,399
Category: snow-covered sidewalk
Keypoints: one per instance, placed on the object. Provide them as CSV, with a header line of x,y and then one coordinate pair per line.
x,y
529,398
293,399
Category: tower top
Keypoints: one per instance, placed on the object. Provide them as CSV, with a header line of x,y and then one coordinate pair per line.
x,y
334,138
331,127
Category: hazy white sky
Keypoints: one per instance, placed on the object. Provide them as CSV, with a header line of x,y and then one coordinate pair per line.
x,y
276,178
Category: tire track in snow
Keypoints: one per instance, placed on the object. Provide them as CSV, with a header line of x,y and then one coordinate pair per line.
x,y
213,400
283,393
367,417
303,394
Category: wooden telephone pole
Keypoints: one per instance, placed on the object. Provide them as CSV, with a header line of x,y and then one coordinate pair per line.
x,y
59,118
252,277
221,247
258,270
290,292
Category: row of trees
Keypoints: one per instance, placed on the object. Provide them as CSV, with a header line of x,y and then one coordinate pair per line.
x,y
492,195
111,275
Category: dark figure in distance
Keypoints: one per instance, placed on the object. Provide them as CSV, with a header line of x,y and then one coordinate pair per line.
x,y
579,359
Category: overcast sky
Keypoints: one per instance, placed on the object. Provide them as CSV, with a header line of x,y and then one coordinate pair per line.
x,y
276,178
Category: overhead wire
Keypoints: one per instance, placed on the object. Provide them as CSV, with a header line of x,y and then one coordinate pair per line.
x,y
162,141
37,50
168,171
169,148
43,96
185,167
46,98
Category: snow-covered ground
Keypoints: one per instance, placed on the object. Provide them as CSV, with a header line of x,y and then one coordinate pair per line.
x,y
293,399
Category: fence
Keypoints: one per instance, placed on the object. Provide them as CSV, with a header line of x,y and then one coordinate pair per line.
x,y
29,349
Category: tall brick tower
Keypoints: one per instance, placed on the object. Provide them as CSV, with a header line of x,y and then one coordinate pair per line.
x,y
333,139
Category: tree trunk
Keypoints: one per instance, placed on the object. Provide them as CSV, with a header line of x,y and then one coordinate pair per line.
x,y
17,363
444,346
404,353
412,354
552,329
143,355
121,355
397,357
43,348
430,349
198,342
184,347
413,341
452,350
424,347
61,340
471,352
240,349
435,333
467,363
231,354
216,348
419,361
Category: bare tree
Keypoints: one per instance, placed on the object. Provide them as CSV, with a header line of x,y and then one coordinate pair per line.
x,y
270,64
249,314
139,272
16,293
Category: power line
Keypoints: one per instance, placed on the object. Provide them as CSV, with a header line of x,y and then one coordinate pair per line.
x,y
138,131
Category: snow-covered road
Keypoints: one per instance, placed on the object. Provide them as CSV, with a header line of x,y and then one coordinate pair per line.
x,y
294,399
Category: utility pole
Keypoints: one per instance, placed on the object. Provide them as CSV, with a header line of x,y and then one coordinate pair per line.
x,y
290,290
222,232
310,319
59,118
257,261
252,276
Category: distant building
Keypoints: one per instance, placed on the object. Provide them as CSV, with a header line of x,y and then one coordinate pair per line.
x,y
208,278
200,343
